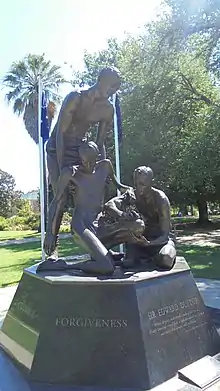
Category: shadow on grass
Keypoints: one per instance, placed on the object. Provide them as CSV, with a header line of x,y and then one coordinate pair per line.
x,y
30,253
191,224
201,238
18,266
30,235
203,260
66,247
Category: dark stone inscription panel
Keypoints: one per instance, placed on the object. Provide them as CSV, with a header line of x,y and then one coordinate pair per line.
x,y
117,335
27,313
186,316
176,326
94,332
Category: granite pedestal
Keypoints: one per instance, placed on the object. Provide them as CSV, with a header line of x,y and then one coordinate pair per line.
x,y
130,331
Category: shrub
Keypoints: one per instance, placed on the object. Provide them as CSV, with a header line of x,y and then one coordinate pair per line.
x,y
65,228
33,221
4,226
16,223
24,209
66,218
21,223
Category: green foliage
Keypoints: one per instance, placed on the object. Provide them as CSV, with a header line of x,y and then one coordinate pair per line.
x,y
186,18
33,221
170,99
95,62
24,219
17,223
24,208
7,193
4,226
22,223
66,218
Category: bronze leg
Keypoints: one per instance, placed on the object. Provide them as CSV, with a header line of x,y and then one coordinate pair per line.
x,y
167,256
102,262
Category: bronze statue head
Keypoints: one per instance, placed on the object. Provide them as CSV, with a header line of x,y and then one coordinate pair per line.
x,y
88,152
143,178
109,81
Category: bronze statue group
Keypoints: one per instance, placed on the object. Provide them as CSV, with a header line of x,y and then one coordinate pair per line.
x,y
139,218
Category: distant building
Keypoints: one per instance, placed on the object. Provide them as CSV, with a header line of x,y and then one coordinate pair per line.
x,y
31,195
33,198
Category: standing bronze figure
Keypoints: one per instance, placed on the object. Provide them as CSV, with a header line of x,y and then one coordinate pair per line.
x,y
79,111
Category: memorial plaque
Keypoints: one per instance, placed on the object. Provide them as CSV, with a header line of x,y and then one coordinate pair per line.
x,y
130,331
176,326
94,333
202,373
25,320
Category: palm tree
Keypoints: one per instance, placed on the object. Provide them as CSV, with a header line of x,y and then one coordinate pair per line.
x,y
22,82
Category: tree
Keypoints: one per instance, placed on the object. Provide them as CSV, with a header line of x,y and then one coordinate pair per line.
x,y
23,207
193,30
170,105
7,193
95,62
22,82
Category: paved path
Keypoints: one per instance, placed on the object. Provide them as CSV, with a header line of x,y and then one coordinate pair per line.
x,y
29,240
6,296
209,289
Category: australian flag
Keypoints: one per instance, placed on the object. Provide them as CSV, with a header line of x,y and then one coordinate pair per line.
x,y
45,128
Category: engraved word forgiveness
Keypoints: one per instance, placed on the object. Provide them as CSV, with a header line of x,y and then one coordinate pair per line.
x,y
91,323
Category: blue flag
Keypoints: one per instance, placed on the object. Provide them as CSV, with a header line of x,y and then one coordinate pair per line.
x,y
45,128
119,120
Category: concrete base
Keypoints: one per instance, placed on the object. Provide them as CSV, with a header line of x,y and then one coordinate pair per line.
x,y
130,331
11,379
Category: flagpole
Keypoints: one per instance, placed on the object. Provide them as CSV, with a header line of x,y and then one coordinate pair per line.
x,y
117,154
41,161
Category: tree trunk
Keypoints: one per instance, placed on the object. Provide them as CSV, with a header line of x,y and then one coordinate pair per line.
x,y
203,211
191,210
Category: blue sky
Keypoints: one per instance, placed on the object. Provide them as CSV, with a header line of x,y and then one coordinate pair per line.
x,y
62,30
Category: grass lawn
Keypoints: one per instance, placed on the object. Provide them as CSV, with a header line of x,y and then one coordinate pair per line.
x,y
203,260
12,235
14,258
203,256
192,219
15,235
